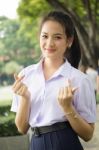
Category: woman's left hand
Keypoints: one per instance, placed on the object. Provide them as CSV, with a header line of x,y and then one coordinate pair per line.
x,y
65,96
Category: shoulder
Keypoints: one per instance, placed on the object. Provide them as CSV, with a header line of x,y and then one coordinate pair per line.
x,y
79,78
75,75
29,70
78,74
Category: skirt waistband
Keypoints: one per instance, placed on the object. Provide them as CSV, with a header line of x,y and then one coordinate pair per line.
x,y
37,131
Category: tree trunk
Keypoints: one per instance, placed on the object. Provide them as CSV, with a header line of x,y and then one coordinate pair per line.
x,y
88,41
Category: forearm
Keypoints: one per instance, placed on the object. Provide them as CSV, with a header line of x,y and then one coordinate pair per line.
x,y
22,116
97,84
80,126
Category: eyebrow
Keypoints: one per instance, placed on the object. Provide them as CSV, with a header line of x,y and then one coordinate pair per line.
x,y
54,34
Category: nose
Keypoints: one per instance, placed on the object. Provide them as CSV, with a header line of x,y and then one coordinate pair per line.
x,y
50,42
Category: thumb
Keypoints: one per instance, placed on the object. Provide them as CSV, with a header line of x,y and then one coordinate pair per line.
x,y
15,76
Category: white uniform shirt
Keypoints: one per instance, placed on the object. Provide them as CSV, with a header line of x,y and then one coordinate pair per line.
x,y
45,109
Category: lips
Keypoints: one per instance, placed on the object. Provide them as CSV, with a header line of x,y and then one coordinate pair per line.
x,y
49,49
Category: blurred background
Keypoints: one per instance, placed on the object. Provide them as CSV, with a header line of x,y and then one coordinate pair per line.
x,y
19,42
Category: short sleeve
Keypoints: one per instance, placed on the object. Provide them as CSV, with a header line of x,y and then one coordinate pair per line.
x,y
15,103
16,98
85,101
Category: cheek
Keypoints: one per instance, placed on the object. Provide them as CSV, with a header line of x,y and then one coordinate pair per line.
x,y
65,45
41,43
62,45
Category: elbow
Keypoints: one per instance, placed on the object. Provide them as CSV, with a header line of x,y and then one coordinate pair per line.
x,y
22,128
22,131
89,134
88,137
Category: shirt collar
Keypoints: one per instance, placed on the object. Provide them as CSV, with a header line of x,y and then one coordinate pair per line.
x,y
64,69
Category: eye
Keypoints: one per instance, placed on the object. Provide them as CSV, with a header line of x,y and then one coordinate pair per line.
x,y
57,37
44,36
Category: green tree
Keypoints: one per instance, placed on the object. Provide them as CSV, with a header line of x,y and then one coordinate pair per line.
x,y
85,14
11,67
16,47
15,44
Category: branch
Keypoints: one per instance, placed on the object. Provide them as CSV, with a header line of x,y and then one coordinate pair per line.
x,y
57,5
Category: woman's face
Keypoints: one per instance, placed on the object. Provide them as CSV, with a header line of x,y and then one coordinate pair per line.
x,y
53,40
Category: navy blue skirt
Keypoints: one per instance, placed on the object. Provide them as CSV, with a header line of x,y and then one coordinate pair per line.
x,y
64,139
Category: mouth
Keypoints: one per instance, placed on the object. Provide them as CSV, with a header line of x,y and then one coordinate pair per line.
x,y
50,50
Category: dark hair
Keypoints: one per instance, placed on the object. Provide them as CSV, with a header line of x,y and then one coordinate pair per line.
x,y
73,54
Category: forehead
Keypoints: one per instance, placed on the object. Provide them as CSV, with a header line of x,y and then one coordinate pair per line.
x,y
52,27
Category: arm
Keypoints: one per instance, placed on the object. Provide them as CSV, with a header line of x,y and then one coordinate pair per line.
x,y
80,126
22,115
97,84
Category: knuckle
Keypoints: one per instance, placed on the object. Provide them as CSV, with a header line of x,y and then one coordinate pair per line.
x,y
59,97
64,97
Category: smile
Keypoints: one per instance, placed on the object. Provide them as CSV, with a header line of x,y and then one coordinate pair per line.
x,y
50,50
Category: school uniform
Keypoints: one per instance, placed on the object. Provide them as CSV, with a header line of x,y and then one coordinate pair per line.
x,y
46,111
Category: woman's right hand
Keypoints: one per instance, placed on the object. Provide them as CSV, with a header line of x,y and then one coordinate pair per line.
x,y
20,88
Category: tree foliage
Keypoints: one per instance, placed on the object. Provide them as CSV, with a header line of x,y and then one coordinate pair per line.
x,y
15,46
85,14
11,67
17,49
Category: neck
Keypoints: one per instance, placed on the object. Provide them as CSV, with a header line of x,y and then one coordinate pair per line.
x,y
53,64
50,66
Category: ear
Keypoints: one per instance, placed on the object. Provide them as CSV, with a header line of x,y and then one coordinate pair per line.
x,y
70,41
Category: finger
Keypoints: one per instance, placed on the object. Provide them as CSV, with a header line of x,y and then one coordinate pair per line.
x,y
20,91
60,94
18,83
18,78
21,77
23,90
65,92
17,86
74,89
69,89
15,76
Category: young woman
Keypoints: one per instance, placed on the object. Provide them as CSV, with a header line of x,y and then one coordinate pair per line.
x,y
53,97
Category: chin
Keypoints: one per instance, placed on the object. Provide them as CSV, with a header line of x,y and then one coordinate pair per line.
x,y
48,55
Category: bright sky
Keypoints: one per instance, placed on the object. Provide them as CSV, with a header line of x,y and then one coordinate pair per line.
x,y
8,8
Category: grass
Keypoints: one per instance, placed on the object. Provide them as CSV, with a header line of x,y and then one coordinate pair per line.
x,y
5,115
5,102
97,98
